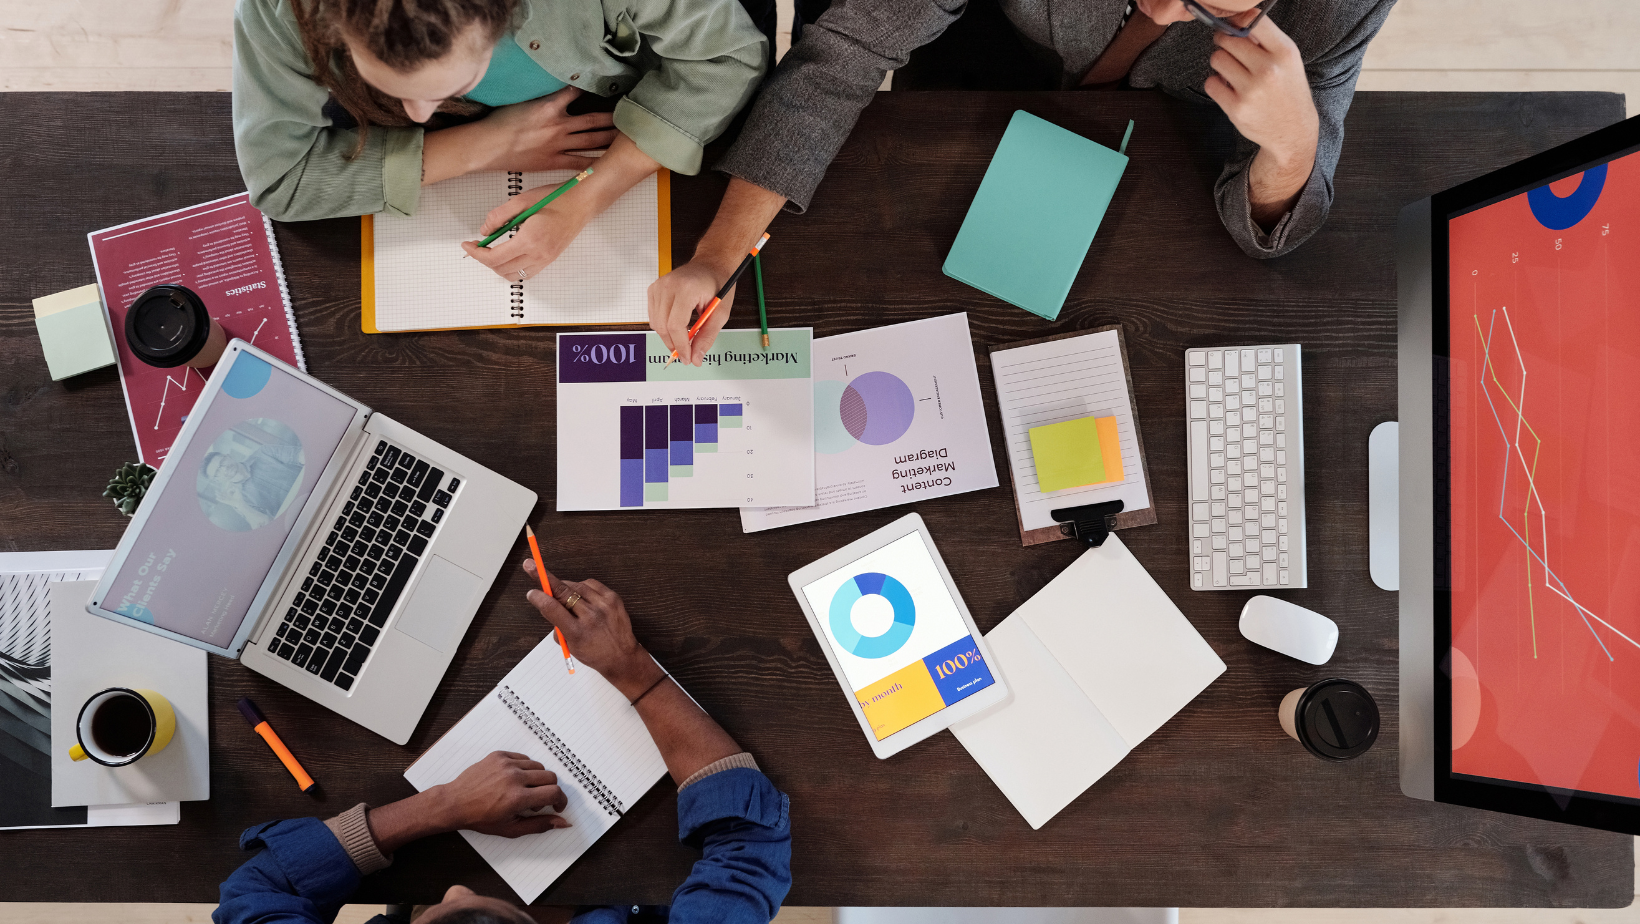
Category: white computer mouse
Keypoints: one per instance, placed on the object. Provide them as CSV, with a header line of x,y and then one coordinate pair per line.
x,y
1289,628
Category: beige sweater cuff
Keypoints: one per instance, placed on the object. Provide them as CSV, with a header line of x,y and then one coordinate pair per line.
x,y
352,828
742,759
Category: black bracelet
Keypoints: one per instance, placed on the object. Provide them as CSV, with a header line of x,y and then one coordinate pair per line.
x,y
664,676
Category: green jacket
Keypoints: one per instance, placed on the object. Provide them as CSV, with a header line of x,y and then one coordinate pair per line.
x,y
685,68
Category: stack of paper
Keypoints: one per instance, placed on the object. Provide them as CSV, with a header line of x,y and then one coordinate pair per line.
x,y
26,695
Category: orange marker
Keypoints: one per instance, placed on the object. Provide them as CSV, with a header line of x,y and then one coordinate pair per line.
x,y
259,722
718,298
541,572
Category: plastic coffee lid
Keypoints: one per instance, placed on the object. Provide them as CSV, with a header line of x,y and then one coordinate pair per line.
x,y
167,326
1337,719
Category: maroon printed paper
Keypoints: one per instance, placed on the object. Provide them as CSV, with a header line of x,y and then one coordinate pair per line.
x,y
223,250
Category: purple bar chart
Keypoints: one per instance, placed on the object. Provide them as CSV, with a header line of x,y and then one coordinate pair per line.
x,y
660,443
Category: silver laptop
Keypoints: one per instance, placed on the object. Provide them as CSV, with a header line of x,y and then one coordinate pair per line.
x,y
323,545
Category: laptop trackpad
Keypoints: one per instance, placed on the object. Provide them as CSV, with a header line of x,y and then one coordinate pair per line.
x,y
439,610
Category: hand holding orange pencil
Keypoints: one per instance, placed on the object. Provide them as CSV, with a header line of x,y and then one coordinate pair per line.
x,y
718,298
546,588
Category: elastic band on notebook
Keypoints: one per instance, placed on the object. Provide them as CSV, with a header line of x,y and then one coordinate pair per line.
x,y
1125,136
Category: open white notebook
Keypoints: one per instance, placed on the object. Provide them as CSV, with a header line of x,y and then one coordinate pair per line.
x,y
1097,661
415,277
579,727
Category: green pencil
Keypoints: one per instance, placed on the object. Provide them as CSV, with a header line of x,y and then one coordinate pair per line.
x,y
521,216
762,309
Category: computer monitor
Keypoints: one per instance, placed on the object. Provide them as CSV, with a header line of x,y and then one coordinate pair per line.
x,y
1520,487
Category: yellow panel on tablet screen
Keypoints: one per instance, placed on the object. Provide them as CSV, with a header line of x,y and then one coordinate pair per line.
x,y
903,698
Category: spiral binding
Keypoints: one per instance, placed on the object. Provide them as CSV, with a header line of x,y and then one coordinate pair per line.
x,y
515,185
584,775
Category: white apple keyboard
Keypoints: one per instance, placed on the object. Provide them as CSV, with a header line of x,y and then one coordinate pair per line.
x,y
1246,452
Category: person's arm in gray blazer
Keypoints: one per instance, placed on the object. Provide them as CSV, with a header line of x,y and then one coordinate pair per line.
x,y
1332,73
807,109
800,119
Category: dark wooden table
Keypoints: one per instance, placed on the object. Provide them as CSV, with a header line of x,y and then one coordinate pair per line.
x,y
1217,808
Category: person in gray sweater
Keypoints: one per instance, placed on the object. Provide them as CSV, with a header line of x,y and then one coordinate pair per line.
x,y
1283,74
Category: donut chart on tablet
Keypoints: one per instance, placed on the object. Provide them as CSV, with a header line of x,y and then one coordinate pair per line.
x,y
872,583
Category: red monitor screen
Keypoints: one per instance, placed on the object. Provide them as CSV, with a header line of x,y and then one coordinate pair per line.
x,y
1545,484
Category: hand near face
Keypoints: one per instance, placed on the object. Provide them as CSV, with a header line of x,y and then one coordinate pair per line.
x,y
1260,83
494,796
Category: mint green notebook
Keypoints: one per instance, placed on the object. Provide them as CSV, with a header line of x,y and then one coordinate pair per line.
x,y
1034,216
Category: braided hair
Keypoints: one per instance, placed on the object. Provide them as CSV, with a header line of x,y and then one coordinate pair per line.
x,y
403,34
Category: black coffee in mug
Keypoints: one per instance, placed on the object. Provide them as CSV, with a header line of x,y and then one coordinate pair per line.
x,y
121,725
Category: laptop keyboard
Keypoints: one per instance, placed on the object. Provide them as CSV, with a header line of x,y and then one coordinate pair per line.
x,y
360,571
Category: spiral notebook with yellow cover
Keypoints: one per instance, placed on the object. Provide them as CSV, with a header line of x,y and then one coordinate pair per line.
x,y
413,275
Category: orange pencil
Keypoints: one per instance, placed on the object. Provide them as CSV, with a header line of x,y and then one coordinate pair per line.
x,y
541,572
717,299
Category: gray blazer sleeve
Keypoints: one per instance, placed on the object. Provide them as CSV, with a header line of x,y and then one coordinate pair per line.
x,y
1332,68
807,109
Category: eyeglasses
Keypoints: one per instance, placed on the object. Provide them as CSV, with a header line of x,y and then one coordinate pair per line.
x,y
1222,24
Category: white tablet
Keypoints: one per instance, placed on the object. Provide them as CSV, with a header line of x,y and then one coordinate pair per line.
x,y
898,636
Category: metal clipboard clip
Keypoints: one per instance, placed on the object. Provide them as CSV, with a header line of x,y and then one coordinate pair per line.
x,y
1090,523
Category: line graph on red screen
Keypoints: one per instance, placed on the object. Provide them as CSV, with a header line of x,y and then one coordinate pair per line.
x,y
1514,435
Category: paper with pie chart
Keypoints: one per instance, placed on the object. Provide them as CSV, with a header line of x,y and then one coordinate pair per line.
x,y
898,635
897,418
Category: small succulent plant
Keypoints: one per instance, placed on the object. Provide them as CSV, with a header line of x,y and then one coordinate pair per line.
x,y
129,485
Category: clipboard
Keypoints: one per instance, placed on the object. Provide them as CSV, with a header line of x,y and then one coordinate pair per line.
x,y
1142,517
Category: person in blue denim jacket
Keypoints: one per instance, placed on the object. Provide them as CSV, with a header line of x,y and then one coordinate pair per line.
x,y
727,808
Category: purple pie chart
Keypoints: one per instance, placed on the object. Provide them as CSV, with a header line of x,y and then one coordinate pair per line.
x,y
876,408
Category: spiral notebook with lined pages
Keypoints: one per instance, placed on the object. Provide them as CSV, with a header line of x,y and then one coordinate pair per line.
x,y
413,276
579,727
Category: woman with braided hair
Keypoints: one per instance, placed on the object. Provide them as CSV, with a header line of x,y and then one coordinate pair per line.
x,y
349,107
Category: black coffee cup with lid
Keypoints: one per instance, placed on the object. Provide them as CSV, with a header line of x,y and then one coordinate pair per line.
x,y
168,326
1334,719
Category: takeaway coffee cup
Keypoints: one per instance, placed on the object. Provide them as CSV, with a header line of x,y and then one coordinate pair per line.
x,y
168,326
120,726
1334,719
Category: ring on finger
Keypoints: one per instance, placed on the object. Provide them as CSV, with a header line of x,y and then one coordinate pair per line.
x,y
570,601
523,275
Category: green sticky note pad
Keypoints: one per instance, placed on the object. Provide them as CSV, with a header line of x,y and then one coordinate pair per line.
x,y
1034,217
73,333
1067,454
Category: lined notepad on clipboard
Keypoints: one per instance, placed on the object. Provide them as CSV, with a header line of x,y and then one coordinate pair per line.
x,y
413,276
579,727
1062,378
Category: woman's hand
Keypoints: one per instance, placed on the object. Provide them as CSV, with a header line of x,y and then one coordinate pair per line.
x,y
597,630
544,235
534,135
494,795
539,240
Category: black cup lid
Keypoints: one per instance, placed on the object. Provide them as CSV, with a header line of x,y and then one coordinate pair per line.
x,y
1337,719
167,326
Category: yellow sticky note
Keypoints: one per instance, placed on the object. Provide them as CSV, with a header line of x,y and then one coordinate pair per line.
x,y
1067,454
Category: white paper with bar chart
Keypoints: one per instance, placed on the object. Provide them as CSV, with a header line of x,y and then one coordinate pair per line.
x,y
423,282
636,433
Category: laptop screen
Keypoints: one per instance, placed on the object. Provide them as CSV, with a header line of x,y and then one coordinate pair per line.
x,y
1544,329
214,532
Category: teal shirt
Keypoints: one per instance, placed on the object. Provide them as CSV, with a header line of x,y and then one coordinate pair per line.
x,y
513,77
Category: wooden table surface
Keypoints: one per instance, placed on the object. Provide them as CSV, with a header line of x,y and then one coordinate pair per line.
x,y
1217,808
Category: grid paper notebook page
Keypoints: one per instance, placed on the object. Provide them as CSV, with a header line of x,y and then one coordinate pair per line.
x,y
1062,380
602,277
580,728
